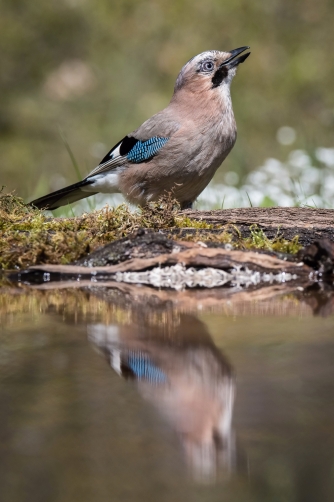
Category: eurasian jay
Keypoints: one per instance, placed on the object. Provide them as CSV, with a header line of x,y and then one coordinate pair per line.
x,y
177,150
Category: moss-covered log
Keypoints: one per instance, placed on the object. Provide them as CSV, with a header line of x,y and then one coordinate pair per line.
x,y
29,237
306,223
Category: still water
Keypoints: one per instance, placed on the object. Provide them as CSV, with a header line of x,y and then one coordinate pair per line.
x,y
129,394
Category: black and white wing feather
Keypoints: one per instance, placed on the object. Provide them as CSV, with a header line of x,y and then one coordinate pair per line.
x,y
129,150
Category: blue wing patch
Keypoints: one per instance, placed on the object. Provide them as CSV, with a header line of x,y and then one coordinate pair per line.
x,y
144,369
130,149
144,150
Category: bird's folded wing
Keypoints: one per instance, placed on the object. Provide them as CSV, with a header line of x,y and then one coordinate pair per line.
x,y
143,368
112,160
140,146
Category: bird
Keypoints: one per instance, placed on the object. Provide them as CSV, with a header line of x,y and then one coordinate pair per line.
x,y
177,150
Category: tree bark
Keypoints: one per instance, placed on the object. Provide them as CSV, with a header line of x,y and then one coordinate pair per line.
x,y
309,224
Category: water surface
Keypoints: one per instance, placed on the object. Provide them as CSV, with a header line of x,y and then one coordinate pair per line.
x,y
130,394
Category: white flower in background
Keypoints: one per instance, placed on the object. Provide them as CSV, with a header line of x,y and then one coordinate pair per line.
x,y
296,182
325,155
231,178
286,135
299,160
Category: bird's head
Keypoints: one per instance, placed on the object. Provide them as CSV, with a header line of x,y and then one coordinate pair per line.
x,y
210,70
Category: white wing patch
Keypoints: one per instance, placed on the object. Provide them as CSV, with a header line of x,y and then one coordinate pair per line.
x,y
115,153
116,159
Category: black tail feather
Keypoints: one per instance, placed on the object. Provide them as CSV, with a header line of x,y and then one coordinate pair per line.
x,y
62,197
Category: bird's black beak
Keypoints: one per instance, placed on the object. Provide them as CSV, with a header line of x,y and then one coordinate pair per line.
x,y
232,61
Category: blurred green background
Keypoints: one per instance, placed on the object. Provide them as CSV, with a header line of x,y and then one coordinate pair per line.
x,y
95,69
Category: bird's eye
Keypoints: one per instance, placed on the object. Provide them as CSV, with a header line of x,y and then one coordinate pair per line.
x,y
207,66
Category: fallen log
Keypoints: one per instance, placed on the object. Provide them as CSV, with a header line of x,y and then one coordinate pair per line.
x,y
152,258
183,265
309,224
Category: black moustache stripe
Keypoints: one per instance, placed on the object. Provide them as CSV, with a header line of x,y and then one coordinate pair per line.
x,y
219,76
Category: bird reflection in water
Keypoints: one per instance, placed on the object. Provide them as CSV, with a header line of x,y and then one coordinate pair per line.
x,y
183,374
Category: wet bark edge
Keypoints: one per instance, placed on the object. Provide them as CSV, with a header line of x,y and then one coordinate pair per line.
x,y
195,256
309,224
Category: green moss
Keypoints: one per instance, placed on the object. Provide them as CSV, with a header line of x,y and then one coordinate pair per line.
x,y
29,237
259,240
230,234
